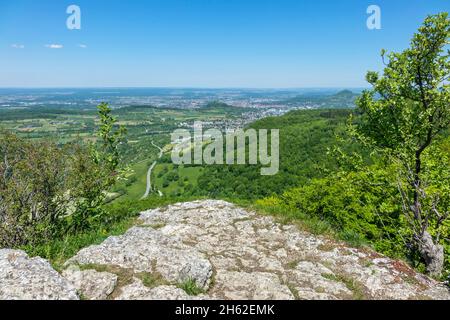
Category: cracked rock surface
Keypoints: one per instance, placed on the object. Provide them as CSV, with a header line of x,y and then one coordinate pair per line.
x,y
92,284
22,278
215,250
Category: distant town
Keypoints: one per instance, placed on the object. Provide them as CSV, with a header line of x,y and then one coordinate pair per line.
x,y
255,103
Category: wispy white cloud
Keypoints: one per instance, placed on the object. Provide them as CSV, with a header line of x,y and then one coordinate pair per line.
x,y
83,46
54,46
18,46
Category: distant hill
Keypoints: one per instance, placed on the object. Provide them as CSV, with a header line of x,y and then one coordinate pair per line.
x,y
219,106
342,99
345,94
216,105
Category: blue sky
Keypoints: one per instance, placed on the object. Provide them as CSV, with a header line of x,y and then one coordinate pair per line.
x,y
201,43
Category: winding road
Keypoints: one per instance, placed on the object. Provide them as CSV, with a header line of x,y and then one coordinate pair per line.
x,y
149,174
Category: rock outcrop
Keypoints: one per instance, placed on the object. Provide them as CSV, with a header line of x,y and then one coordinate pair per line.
x,y
215,250
22,278
92,284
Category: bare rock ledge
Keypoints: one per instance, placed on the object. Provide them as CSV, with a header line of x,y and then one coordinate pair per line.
x,y
215,250
22,278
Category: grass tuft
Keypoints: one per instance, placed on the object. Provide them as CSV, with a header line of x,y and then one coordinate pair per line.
x,y
191,288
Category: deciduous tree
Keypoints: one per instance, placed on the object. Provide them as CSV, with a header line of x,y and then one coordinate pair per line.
x,y
403,117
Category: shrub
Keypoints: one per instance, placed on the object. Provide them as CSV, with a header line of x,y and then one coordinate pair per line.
x,y
48,191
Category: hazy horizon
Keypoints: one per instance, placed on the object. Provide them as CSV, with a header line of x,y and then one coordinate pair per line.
x,y
189,88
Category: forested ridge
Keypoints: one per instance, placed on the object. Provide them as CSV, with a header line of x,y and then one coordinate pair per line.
x,y
306,136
